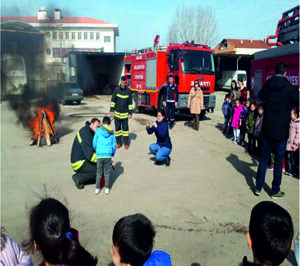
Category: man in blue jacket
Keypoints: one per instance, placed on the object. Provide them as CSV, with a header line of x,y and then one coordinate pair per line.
x,y
83,156
170,100
105,145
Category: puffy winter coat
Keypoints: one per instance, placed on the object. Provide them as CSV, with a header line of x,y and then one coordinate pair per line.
x,y
250,122
195,102
104,142
293,140
236,116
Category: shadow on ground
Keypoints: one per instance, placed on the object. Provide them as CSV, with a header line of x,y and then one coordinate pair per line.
x,y
115,174
246,171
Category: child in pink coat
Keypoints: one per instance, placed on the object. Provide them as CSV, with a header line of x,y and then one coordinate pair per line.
x,y
237,121
292,147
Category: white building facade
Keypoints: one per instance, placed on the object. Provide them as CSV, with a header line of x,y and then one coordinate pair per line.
x,y
65,34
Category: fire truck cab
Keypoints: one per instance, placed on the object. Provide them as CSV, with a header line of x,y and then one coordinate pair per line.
x,y
147,72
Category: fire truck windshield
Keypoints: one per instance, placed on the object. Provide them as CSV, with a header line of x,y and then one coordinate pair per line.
x,y
197,62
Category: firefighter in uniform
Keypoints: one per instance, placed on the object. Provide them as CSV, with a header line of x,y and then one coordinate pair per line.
x,y
83,156
170,100
121,110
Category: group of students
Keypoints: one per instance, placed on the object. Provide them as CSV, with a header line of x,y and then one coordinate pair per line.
x,y
243,117
270,238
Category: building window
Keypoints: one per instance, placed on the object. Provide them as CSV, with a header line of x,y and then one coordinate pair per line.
x,y
54,36
97,35
48,34
61,35
85,35
91,35
67,35
79,35
106,39
48,51
73,35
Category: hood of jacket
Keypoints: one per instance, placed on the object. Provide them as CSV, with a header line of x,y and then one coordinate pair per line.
x,y
105,130
159,258
277,83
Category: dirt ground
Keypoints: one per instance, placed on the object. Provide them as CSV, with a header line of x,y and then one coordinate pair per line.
x,y
200,206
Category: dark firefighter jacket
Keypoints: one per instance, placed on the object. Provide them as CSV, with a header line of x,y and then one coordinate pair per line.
x,y
170,93
121,103
82,148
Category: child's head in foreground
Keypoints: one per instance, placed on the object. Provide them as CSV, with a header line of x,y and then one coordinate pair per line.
x,y
133,238
51,234
270,233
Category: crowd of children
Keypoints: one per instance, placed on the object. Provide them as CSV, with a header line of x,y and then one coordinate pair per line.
x,y
270,238
243,124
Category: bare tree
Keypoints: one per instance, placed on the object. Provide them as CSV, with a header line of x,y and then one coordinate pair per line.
x,y
194,23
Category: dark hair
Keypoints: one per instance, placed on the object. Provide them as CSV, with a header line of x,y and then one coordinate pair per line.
x,y
171,76
49,223
271,231
280,68
236,87
94,120
227,96
253,103
133,236
162,111
123,78
106,120
196,81
296,110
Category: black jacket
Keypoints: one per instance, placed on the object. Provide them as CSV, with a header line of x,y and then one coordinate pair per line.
x,y
82,148
277,96
170,93
121,103
247,263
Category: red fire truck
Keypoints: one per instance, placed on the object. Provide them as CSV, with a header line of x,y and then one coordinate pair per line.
x,y
147,72
286,50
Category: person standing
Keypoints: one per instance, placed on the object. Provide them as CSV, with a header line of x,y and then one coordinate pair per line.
x,y
292,147
104,143
121,109
237,121
170,100
163,146
277,96
243,91
83,156
234,90
195,103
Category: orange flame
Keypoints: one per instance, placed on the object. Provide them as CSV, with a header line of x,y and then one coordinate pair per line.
x,y
35,123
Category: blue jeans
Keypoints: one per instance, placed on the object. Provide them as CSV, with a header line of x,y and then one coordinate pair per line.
x,y
278,148
161,153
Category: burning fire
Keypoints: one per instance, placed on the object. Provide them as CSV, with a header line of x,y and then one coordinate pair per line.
x,y
45,118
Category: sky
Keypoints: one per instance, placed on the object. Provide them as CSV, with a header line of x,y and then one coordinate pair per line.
x,y
140,20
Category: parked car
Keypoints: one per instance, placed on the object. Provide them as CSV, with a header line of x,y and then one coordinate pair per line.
x,y
70,92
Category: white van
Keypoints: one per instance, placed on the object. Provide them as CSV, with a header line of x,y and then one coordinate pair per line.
x,y
226,76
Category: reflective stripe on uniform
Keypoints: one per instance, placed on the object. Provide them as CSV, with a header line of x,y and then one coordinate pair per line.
x,y
122,96
118,133
120,115
112,104
94,158
125,133
130,107
79,137
77,165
